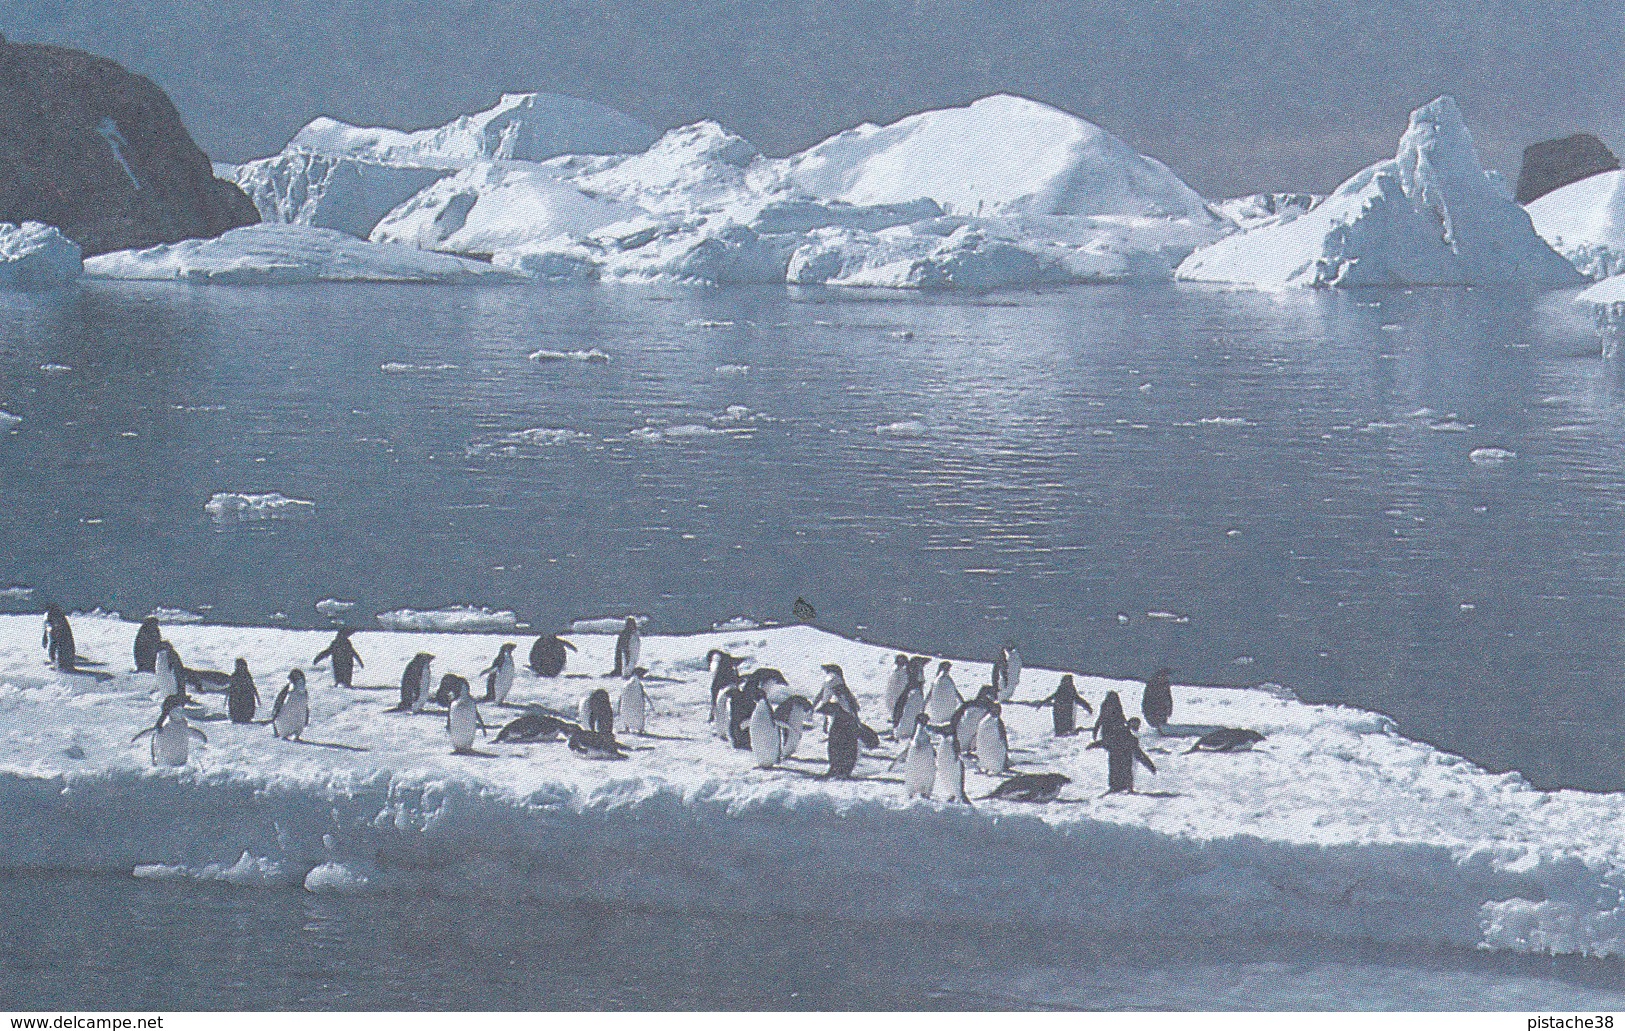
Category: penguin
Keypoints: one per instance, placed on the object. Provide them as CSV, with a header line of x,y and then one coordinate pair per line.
x,y
1111,718
633,707
499,675
967,719
1065,701
595,744
791,715
291,713
536,726
724,673
992,743
146,645
344,656
547,655
1122,752
803,612
58,640
1226,739
843,741
1001,678
164,668
765,738
171,735
1012,670
916,673
462,717
598,713
171,671
919,763
1031,787
1157,703
907,711
767,680
835,690
415,684
627,646
450,685
242,697
944,699
896,683
950,785
742,699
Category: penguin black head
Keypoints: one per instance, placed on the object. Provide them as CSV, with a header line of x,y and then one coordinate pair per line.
x,y
988,693
640,672
345,632
902,660
631,625
173,702
1134,724
151,622
54,611
1066,681
830,667
296,677
242,666
506,648
832,708
943,667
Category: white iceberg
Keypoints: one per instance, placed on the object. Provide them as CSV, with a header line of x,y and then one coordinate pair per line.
x,y
267,253
1335,827
230,507
1608,293
1428,217
522,126
1257,209
1585,222
348,194
35,256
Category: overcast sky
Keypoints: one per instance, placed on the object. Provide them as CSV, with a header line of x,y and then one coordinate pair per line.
x,y
1234,95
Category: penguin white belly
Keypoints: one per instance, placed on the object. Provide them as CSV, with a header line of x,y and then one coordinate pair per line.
x,y
991,752
791,734
424,691
171,743
633,708
294,716
584,711
950,773
896,684
719,716
1015,674
919,770
634,648
167,684
460,724
912,707
764,736
504,681
943,701
969,724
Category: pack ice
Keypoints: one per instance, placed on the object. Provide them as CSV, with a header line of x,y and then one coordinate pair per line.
x,y
1335,825
34,256
1430,216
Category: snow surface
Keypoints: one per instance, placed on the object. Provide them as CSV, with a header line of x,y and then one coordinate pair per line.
x,y
1429,216
1585,222
522,126
1336,825
268,253
35,256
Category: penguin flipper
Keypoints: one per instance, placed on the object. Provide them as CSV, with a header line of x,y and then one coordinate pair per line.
x,y
567,644
281,699
143,734
198,734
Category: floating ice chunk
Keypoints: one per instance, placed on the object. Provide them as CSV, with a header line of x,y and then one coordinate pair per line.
x,y
248,870
53,369
1490,455
735,623
164,614
337,878
691,430
1172,617
16,594
453,618
907,428
522,442
708,323
7,420
605,624
333,607
399,367
1450,426
592,354
228,507
1227,420
733,370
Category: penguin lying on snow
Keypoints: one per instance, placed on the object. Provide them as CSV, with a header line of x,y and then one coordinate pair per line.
x,y
536,726
1031,787
595,744
1226,739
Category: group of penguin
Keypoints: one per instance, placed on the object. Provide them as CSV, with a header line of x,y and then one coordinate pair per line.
x,y
754,711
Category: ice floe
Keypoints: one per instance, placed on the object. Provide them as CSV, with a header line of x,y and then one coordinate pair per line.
x,y
456,618
229,507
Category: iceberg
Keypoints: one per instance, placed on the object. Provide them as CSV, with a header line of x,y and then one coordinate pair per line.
x,y
1585,222
1335,826
1257,209
348,194
268,253
35,256
1427,217
522,127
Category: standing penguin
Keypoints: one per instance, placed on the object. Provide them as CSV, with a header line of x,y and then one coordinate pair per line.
x,y
462,717
633,707
415,683
765,739
171,735
146,645
1066,702
1012,670
547,655
598,713
1157,703
992,743
242,697
916,673
791,715
344,656
967,718
724,674
907,711
1122,752
167,668
499,675
896,683
741,705
1111,718
950,783
627,646
919,763
843,741
835,690
944,699
291,713
58,640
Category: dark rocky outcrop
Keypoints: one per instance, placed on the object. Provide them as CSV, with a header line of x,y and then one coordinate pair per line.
x,y
1553,164
101,154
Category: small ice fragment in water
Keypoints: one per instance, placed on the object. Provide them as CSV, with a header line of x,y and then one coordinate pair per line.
x,y
1232,533
332,606
1227,420
409,367
1122,617
53,369
905,428
592,354
605,624
1468,606
16,593
1145,388
229,507
1490,455
733,370
901,334
7,420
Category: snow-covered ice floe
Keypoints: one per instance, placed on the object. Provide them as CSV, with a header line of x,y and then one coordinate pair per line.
x,y
453,618
268,253
1429,216
35,256
230,507
591,354
1335,825
1585,222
